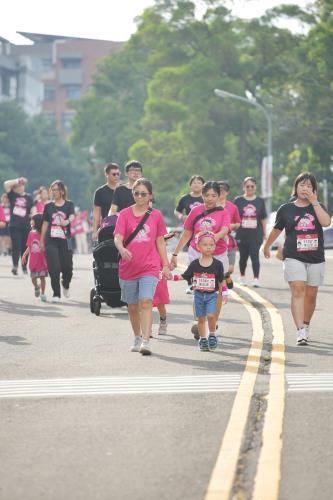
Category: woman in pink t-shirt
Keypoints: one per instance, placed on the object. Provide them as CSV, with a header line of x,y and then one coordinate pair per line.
x,y
37,258
139,266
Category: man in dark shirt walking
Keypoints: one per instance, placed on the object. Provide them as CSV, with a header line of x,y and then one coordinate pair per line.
x,y
104,196
123,196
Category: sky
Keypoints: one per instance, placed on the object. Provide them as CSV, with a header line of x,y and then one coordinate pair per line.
x,y
100,19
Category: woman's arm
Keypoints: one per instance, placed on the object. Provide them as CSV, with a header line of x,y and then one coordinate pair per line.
x,y
161,248
119,243
185,237
221,234
271,238
264,228
45,225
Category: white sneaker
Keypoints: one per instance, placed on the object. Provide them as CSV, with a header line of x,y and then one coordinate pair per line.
x,y
145,348
136,344
162,329
256,283
242,280
65,292
301,337
55,300
306,329
43,297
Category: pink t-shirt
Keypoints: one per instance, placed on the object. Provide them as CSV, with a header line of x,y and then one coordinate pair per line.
x,y
146,259
40,205
37,259
214,222
234,219
2,214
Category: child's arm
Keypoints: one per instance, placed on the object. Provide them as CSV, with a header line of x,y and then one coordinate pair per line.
x,y
177,277
25,256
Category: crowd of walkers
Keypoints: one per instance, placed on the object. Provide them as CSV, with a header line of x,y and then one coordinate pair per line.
x,y
42,229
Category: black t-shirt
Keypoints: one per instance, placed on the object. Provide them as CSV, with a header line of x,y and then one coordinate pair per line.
x,y
187,202
123,197
251,212
20,207
304,234
204,279
103,198
53,215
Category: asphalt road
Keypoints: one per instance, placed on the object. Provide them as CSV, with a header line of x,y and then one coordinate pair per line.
x,y
84,418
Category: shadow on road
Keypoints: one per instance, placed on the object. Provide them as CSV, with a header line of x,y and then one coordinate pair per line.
x,y
14,340
30,310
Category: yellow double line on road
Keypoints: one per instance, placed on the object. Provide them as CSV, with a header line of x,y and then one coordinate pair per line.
x,y
267,480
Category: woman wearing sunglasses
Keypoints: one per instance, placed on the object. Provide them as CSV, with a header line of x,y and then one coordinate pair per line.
x,y
140,263
252,230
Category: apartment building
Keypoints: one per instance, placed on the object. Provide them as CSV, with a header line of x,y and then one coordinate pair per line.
x,y
47,75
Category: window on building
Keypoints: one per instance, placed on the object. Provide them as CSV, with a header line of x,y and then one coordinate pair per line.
x,y
73,91
66,120
71,63
49,92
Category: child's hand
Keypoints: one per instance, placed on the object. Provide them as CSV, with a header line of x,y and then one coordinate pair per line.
x,y
24,260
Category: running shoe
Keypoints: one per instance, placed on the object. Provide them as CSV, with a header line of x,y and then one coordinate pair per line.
x,y
212,342
43,297
66,292
242,280
37,291
136,344
301,337
55,299
145,348
195,331
229,282
162,329
203,344
306,329
256,283
14,271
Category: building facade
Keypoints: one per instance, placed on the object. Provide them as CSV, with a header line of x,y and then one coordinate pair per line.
x,y
49,74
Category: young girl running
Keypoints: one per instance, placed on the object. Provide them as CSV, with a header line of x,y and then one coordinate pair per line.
x,y
37,259
206,276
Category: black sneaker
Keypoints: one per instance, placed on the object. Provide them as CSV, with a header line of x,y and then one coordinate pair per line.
x,y
14,271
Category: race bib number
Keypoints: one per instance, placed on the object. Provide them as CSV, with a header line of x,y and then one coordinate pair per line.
x,y
249,223
19,211
57,232
307,242
204,282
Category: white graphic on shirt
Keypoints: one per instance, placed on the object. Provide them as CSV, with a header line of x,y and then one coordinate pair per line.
x,y
20,208
143,234
57,230
249,218
195,204
35,246
207,224
305,223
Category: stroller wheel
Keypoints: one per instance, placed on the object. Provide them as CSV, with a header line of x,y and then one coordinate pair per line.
x,y
92,294
97,307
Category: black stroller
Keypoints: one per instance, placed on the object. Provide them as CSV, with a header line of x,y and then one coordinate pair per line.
x,y
105,267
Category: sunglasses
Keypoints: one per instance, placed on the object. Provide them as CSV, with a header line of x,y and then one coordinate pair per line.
x,y
115,174
143,194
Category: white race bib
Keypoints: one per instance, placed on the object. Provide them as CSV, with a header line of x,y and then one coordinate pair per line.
x,y
204,282
19,211
57,232
307,242
249,223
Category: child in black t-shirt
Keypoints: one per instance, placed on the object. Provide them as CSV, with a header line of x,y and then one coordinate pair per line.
x,y
205,275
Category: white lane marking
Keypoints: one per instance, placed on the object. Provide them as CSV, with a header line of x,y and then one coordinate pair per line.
x,y
310,382
227,382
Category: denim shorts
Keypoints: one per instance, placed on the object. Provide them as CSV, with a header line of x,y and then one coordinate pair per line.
x,y
141,288
204,303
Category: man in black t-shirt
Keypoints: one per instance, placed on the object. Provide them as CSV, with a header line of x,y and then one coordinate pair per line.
x,y
103,196
190,200
123,196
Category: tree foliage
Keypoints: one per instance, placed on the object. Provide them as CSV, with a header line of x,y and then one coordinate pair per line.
x,y
154,99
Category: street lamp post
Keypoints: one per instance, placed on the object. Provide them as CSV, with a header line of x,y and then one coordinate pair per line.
x,y
223,94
